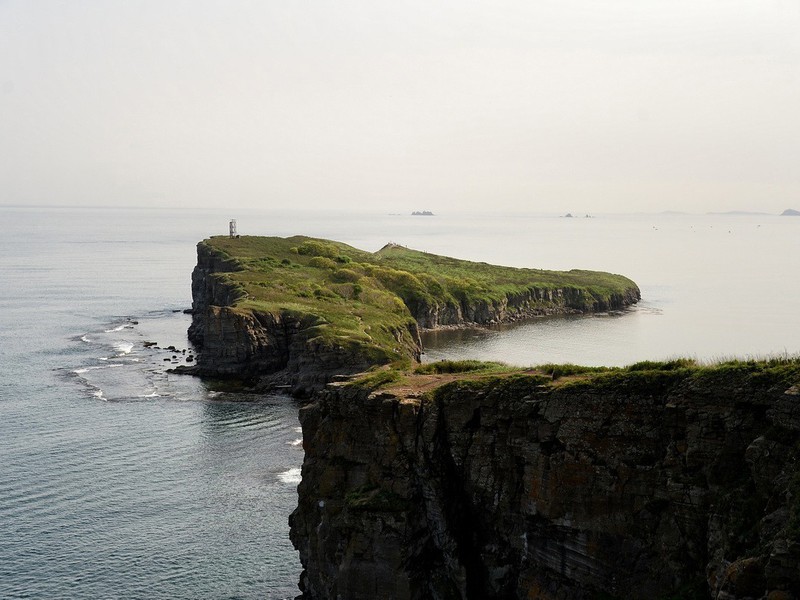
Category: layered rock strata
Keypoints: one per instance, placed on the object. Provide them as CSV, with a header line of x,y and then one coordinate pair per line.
x,y
645,485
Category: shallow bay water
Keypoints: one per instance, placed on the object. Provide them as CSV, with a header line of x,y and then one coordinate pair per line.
x,y
119,480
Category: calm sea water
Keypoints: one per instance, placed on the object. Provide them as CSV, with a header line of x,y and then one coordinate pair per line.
x,y
118,480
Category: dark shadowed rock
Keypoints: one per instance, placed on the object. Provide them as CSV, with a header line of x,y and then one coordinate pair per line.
x,y
648,485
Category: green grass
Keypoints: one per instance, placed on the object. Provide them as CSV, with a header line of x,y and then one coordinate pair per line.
x,y
556,371
456,280
461,366
378,379
373,300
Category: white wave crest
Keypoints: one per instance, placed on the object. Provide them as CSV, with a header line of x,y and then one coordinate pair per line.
x,y
292,476
83,370
123,348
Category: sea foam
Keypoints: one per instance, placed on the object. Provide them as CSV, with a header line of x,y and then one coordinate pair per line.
x,y
123,348
292,476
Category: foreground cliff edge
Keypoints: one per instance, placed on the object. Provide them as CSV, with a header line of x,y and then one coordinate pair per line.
x,y
297,312
661,480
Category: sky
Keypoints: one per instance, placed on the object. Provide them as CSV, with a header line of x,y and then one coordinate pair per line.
x,y
505,105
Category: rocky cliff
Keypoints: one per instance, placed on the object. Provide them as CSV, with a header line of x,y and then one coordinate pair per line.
x,y
283,311
533,302
279,348
660,482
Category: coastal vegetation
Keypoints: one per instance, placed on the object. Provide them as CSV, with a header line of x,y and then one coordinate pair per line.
x,y
641,376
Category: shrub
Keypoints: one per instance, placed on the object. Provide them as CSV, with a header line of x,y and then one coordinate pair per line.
x,y
321,262
345,276
315,248
456,366
670,365
404,284
324,293
557,371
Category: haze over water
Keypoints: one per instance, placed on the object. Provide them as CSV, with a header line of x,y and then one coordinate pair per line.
x,y
120,480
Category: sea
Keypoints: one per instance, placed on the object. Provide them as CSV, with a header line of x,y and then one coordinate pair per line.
x,y
121,480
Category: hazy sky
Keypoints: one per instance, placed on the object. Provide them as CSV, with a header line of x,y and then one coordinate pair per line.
x,y
530,105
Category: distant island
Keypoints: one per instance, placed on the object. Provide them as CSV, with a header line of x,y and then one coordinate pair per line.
x,y
790,212
744,213
422,213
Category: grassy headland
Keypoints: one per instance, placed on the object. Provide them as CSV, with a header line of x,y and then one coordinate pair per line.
x,y
358,298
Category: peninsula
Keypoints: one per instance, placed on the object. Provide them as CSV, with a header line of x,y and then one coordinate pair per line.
x,y
298,312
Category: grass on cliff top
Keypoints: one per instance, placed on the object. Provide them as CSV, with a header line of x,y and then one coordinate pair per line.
x,y
646,377
368,300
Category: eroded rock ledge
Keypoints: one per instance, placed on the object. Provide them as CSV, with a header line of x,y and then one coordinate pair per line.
x,y
650,484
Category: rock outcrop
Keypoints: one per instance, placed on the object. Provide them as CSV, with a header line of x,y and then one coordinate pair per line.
x,y
651,484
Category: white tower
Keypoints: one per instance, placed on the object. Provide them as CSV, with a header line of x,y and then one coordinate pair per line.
x,y
233,228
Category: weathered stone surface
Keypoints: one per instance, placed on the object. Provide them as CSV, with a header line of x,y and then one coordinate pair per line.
x,y
632,486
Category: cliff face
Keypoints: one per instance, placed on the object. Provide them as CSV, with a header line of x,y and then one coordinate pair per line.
x,y
634,485
534,302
